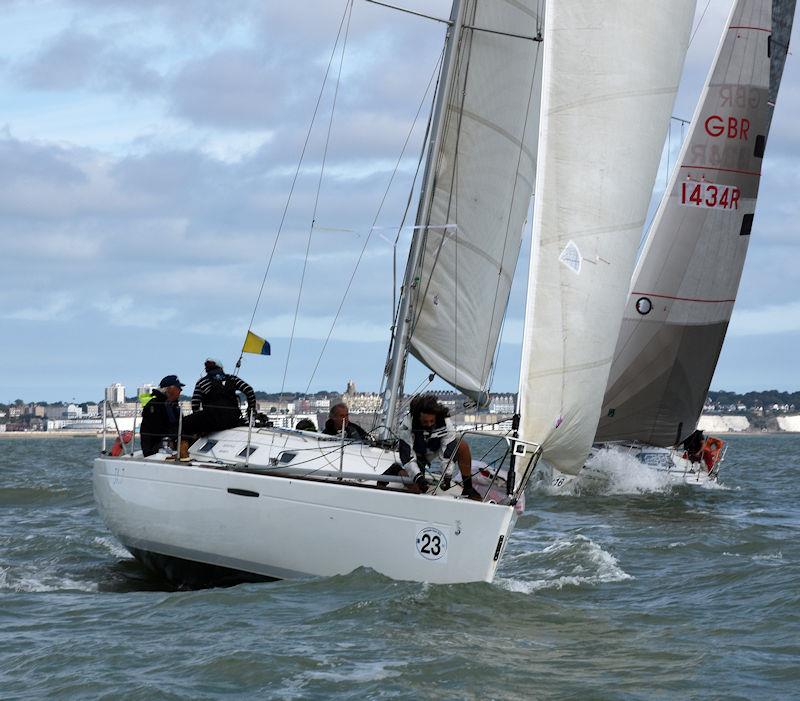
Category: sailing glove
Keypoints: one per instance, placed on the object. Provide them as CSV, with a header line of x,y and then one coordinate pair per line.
x,y
420,483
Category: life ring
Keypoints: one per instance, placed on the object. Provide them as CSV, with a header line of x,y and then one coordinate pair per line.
x,y
712,449
116,449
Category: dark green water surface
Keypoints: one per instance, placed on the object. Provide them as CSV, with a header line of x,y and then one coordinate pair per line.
x,y
624,594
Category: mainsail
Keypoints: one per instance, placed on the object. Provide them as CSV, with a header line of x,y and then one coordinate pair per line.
x,y
610,77
483,169
683,290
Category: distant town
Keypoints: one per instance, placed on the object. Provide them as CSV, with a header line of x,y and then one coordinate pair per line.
x,y
283,410
768,410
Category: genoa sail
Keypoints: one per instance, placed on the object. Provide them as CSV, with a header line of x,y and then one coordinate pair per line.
x,y
610,77
685,284
483,170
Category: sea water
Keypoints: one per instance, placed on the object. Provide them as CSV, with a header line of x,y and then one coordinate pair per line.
x,y
642,591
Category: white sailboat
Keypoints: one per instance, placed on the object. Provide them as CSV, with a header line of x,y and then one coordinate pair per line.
x,y
683,289
282,503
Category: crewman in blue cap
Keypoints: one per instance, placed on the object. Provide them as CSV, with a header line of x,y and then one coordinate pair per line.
x,y
160,415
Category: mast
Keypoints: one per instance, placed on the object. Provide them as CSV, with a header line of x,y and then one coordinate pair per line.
x,y
397,361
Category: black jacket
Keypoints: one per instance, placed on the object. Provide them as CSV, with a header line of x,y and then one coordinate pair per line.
x,y
159,420
352,432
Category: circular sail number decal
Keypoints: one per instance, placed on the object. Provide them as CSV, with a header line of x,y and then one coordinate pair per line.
x,y
431,543
643,305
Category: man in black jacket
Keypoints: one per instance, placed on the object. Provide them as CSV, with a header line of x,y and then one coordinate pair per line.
x,y
160,415
340,416
215,405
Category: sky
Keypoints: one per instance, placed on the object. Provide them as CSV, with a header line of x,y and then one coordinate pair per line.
x,y
147,150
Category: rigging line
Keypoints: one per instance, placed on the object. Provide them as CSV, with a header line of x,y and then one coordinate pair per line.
x,y
409,12
299,164
699,22
486,357
538,38
372,228
405,401
316,198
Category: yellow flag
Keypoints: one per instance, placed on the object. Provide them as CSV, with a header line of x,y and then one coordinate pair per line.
x,y
255,344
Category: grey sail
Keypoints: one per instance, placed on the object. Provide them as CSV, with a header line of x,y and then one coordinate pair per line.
x,y
684,286
483,173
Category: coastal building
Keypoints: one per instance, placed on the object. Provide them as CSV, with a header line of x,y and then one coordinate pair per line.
x,y
115,394
502,403
360,402
267,406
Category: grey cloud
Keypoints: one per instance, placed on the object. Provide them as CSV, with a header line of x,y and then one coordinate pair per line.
x,y
75,59
67,63
237,89
36,162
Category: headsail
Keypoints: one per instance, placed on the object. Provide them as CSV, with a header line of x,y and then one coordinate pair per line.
x,y
685,283
483,170
610,77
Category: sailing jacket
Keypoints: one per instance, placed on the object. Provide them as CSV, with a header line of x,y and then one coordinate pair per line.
x,y
159,421
352,432
419,447
217,391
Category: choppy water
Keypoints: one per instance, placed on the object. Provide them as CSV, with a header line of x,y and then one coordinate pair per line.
x,y
641,592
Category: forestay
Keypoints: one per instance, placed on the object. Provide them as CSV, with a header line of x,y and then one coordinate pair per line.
x,y
610,77
483,170
685,284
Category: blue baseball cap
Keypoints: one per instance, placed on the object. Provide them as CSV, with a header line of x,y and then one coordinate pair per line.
x,y
171,381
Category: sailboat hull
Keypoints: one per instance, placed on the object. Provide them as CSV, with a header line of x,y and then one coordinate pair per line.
x,y
173,515
666,466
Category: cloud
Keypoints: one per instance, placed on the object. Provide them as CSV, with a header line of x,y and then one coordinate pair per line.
x,y
124,311
149,151
765,321
75,59
232,89
58,307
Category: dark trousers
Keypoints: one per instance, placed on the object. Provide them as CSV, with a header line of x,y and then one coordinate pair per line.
x,y
205,421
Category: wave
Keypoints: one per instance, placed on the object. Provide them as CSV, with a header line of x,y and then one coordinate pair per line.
x,y
22,581
25,496
568,562
113,547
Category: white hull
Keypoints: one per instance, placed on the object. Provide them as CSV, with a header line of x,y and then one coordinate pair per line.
x,y
288,527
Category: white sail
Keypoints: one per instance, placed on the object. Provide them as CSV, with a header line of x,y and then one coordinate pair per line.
x,y
685,284
483,171
610,77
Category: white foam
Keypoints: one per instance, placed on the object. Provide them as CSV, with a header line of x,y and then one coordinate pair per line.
x,y
584,562
113,547
44,582
357,672
624,474
769,557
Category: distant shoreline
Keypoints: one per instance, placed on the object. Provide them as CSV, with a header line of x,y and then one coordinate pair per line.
x,y
52,434
111,435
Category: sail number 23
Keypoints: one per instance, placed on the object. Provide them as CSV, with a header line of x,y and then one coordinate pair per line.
x,y
432,544
709,195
